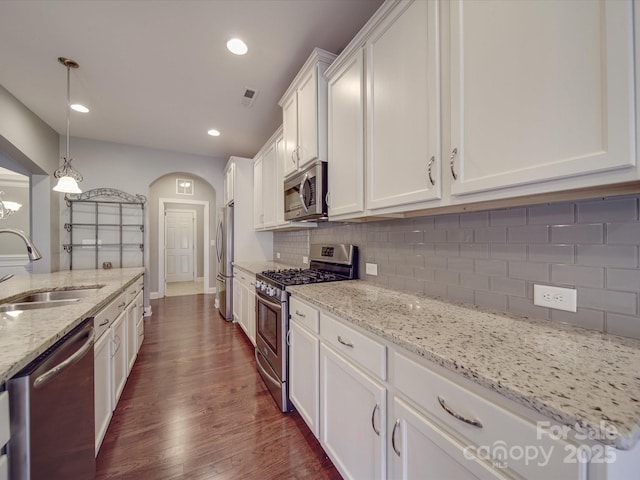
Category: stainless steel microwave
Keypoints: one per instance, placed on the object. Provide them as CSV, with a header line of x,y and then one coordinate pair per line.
x,y
305,194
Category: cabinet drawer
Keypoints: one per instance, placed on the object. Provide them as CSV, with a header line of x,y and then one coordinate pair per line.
x,y
4,418
365,351
134,289
304,314
140,331
108,314
495,428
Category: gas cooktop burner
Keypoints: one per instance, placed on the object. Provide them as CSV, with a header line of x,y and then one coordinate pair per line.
x,y
299,276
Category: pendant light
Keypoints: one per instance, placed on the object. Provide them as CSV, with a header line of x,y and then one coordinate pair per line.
x,y
68,177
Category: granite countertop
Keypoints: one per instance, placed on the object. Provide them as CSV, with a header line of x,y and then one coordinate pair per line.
x,y
577,377
26,334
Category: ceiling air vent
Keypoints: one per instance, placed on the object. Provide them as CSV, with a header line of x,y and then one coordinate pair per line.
x,y
248,97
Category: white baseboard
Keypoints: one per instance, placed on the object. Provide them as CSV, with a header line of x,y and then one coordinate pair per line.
x,y
154,295
147,311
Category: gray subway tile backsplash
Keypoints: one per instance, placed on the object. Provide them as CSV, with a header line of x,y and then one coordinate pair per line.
x,y
493,258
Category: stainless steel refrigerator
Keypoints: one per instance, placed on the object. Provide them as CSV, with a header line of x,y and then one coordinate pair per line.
x,y
224,252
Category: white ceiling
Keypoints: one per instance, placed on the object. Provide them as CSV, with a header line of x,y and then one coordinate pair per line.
x,y
157,73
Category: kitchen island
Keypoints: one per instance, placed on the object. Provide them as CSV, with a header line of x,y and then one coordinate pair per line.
x,y
26,334
577,377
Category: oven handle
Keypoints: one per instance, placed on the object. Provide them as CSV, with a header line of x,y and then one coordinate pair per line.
x,y
264,372
260,298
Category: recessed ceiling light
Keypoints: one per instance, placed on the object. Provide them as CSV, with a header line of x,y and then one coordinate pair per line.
x,y
237,46
79,108
214,133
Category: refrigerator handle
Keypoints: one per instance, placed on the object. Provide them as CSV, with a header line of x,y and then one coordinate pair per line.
x,y
218,242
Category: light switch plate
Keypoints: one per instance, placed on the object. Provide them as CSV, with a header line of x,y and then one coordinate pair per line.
x,y
555,297
372,269
305,260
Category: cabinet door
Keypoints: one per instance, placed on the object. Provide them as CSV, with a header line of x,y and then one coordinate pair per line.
x,y
304,375
102,386
308,118
258,206
269,186
418,446
119,362
353,413
132,337
346,138
251,313
237,301
290,130
403,132
279,183
540,91
229,183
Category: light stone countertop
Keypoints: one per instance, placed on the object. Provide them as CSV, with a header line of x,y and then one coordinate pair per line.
x,y
576,377
27,334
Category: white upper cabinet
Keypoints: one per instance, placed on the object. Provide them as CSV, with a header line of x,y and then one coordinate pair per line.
x,y
290,139
403,109
229,182
345,193
540,91
304,113
258,210
279,181
269,186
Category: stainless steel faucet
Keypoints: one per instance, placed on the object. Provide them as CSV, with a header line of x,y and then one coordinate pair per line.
x,y
32,251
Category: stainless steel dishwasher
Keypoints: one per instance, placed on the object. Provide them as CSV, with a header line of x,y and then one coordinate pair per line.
x,y
51,412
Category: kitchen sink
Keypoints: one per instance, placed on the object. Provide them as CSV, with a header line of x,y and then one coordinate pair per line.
x,y
55,295
47,299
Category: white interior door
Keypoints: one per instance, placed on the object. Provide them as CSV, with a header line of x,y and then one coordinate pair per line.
x,y
179,245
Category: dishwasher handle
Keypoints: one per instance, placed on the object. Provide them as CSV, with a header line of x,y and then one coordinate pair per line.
x,y
82,351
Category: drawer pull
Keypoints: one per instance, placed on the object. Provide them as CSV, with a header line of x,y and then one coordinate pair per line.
x,y
122,305
106,322
373,419
474,423
393,437
346,343
300,314
454,152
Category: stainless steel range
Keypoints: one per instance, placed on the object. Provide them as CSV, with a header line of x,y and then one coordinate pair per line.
x,y
329,263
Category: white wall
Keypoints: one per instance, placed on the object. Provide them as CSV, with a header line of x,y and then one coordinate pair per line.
x,y
31,143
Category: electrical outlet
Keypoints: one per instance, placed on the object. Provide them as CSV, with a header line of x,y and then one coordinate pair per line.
x,y
277,254
372,269
305,260
555,297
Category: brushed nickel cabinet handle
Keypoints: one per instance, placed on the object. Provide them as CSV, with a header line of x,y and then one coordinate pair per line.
x,y
454,152
396,427
373,419
457,416
433,159
122,305
106,322
346,343
300,314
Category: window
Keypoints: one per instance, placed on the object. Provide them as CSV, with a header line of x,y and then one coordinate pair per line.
x,y
184,186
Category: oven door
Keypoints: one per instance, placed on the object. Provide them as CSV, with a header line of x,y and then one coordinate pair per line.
x,y
271,348
271,333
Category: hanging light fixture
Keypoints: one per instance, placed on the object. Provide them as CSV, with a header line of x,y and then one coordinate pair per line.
x,y
68,177
7,208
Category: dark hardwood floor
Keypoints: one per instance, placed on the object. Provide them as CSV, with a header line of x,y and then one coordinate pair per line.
x,y
194,407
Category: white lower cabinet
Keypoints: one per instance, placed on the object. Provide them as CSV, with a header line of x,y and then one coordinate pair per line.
x,y
435,427
119,330
353,415
119,357
304,370
421,450
244,303
102,387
